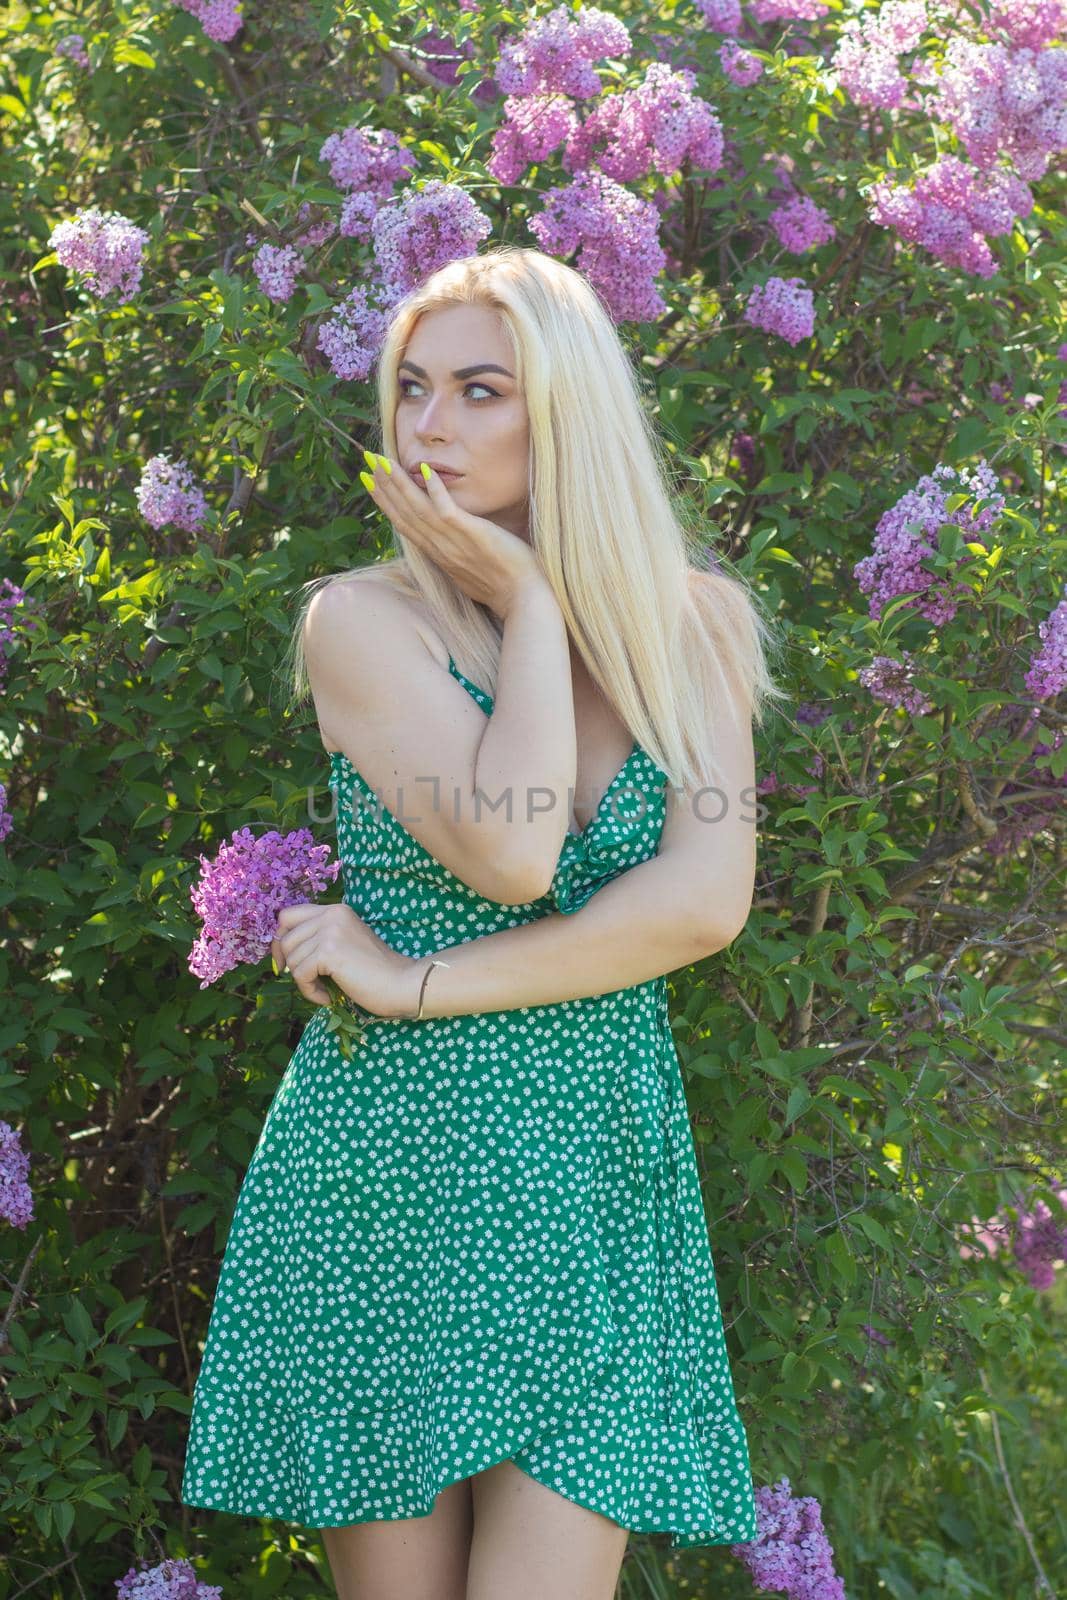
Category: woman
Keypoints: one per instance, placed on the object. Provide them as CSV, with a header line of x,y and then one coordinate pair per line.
x,y
467,1321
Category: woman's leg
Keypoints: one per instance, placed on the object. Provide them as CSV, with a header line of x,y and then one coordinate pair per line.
x,y
414,1558
530,1543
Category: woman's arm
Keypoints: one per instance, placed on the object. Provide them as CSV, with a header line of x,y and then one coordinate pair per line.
x,y
687,902
478,792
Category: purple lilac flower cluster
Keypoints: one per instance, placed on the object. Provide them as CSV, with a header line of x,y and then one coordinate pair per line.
x,y
74,47
423,230
238,895
277,268
787,10
1029,22
1047,675
169,493
1036,1237
657,126
366,164
790,1554
739,65
172,1579
721,16
785,306
868,48
907,533
616,237
16,1197
554,54
220,19
105,247
951,209
890,681
13,599
1001,100
352,335
444,55
652,128
801,225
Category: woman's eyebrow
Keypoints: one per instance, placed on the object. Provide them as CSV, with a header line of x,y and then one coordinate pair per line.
x,y
462,372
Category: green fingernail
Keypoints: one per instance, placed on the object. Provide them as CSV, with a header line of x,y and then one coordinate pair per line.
x,y
370,459
367,481
424,469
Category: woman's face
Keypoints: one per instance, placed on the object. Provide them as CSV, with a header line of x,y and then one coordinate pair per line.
x,y
450,412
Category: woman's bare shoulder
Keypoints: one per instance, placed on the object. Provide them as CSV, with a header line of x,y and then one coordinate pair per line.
x,y
353,595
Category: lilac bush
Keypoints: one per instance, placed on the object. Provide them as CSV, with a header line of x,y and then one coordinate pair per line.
x,y
877,442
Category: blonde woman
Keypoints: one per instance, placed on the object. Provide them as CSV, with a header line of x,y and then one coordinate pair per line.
x,y
467,1323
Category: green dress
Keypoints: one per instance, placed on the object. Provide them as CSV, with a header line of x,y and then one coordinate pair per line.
x,y
480,1239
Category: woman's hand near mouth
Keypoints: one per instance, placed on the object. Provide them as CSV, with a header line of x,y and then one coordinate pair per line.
x,y
486,561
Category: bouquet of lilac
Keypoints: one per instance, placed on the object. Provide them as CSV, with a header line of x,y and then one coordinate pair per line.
x,y
238,897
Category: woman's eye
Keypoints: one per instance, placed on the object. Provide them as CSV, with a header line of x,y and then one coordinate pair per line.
x,y
490,394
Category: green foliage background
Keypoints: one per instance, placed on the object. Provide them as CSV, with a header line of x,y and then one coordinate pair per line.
x,y
877,1060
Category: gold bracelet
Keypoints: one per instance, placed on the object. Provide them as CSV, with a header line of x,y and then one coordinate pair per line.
x,y
422,992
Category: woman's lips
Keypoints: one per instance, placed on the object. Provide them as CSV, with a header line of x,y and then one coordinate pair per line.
x,y
414,472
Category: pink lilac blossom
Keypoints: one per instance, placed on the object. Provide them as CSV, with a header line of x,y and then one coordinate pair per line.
x,y
1002,101
790,1553
424,230
616,236
532,127
238,895
950,209
370,159
787,10
220,19
654,127
801,225
276,268
16,1197
721,16
785,306
1030,22
865,59
890,681
6,820
352,336
12,599
739,65
554,54
173,1579
894,566
74,47
106,247
1047,675
169,493
442,55
1036,1236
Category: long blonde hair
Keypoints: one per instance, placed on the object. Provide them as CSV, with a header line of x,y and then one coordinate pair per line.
x,y
670,645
